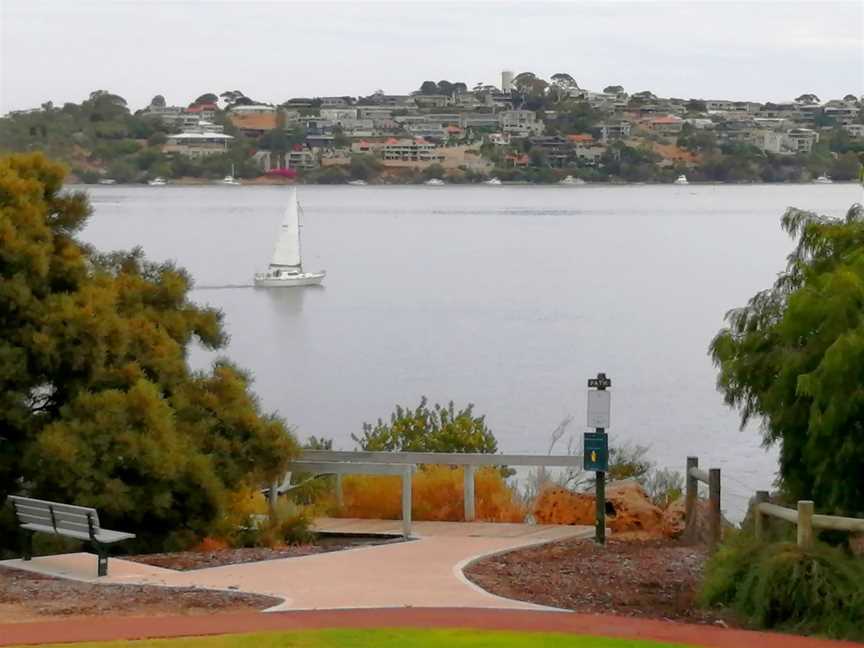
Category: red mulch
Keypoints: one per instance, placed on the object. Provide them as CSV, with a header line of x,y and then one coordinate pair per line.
x,y
655,579
28,596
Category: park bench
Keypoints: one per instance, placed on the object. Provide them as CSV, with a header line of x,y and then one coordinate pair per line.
x,y
79,522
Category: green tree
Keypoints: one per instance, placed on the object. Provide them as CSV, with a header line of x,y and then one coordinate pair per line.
x,y
98,405
845,167
429,88
208,97
613,89
440,429
696,105
794,359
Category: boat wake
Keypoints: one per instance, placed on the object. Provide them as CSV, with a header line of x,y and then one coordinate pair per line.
x,y
224,287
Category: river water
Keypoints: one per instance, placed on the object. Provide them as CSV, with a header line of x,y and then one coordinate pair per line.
x,y
507,297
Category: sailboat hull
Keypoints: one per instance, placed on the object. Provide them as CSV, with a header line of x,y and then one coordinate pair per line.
x,y
267,280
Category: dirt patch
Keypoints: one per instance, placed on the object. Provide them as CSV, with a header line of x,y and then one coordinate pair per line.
x,y
191,560
27,596
638,578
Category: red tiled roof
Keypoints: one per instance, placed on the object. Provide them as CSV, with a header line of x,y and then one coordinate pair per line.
x,y
580,137
668,119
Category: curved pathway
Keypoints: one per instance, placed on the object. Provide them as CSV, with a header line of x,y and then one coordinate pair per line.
x,y
114,628
426,572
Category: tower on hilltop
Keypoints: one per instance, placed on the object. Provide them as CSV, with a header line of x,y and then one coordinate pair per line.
x,y
507,81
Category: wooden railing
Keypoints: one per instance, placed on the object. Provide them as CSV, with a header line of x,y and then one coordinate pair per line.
x,y
804,518
712,478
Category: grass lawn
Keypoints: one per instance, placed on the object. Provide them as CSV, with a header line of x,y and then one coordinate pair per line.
x,y
390,638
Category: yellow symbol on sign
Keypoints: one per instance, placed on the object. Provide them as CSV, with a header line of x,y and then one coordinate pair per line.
x,y
594,455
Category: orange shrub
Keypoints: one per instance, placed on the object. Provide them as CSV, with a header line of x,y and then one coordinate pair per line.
x,y
436,496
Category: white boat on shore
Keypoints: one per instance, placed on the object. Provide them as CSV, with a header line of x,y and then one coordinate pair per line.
x,y
157,182
570,180
286,266
492,181
107,181
434,182
357,183
681,180
230,179
823,179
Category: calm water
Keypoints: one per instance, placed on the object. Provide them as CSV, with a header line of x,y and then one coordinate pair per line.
x,y
507,297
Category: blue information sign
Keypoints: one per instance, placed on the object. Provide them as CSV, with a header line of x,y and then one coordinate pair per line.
x,y
595,454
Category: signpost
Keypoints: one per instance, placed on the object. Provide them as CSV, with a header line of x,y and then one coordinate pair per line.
x,y
595,450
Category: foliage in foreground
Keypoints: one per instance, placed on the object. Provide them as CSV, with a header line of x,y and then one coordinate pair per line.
x,y
794,359
389,638
781,586
98,405
437,495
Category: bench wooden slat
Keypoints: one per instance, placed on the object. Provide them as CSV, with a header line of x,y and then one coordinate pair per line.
x,y
44,504
104,535
61,520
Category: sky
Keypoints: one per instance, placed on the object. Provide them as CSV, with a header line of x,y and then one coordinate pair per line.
x,y
763,51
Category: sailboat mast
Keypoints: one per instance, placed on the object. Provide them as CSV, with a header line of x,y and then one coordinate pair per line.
x,y
300,234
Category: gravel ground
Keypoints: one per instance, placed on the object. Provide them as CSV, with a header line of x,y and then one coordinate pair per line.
x,y
27,596
639,578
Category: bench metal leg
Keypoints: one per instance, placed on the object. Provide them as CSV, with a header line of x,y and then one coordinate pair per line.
x,y
26,544
102,558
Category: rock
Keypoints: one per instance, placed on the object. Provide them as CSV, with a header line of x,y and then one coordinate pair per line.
x,y
674,521
560,506
628,508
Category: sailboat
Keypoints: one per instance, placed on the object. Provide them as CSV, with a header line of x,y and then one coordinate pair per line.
x,y
823,179
681,180
286,266
230,179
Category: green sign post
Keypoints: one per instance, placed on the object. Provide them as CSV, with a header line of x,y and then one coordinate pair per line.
x,y
595,455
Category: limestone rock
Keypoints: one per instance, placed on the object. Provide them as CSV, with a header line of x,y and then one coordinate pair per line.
x,y
628,508
560,506
674,521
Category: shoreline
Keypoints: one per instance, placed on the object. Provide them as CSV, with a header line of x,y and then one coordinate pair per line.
x,y
254,183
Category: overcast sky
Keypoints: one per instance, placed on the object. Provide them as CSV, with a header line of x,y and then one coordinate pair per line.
x,y
60,50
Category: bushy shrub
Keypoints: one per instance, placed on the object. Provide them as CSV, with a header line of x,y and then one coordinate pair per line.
x,y
255,526
782,586
437,495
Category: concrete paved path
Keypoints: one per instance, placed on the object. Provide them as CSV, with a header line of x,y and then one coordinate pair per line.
x,y
426,572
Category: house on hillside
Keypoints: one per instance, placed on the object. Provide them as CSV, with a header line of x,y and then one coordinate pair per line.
x,y
253,120
614,131
557,150
520,123
338,115
801,140
409,150
666,124
198,143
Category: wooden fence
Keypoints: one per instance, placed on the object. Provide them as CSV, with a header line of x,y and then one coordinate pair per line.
x,y
712,478
804,518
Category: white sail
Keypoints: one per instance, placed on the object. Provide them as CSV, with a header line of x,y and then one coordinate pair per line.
x,y
287,252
